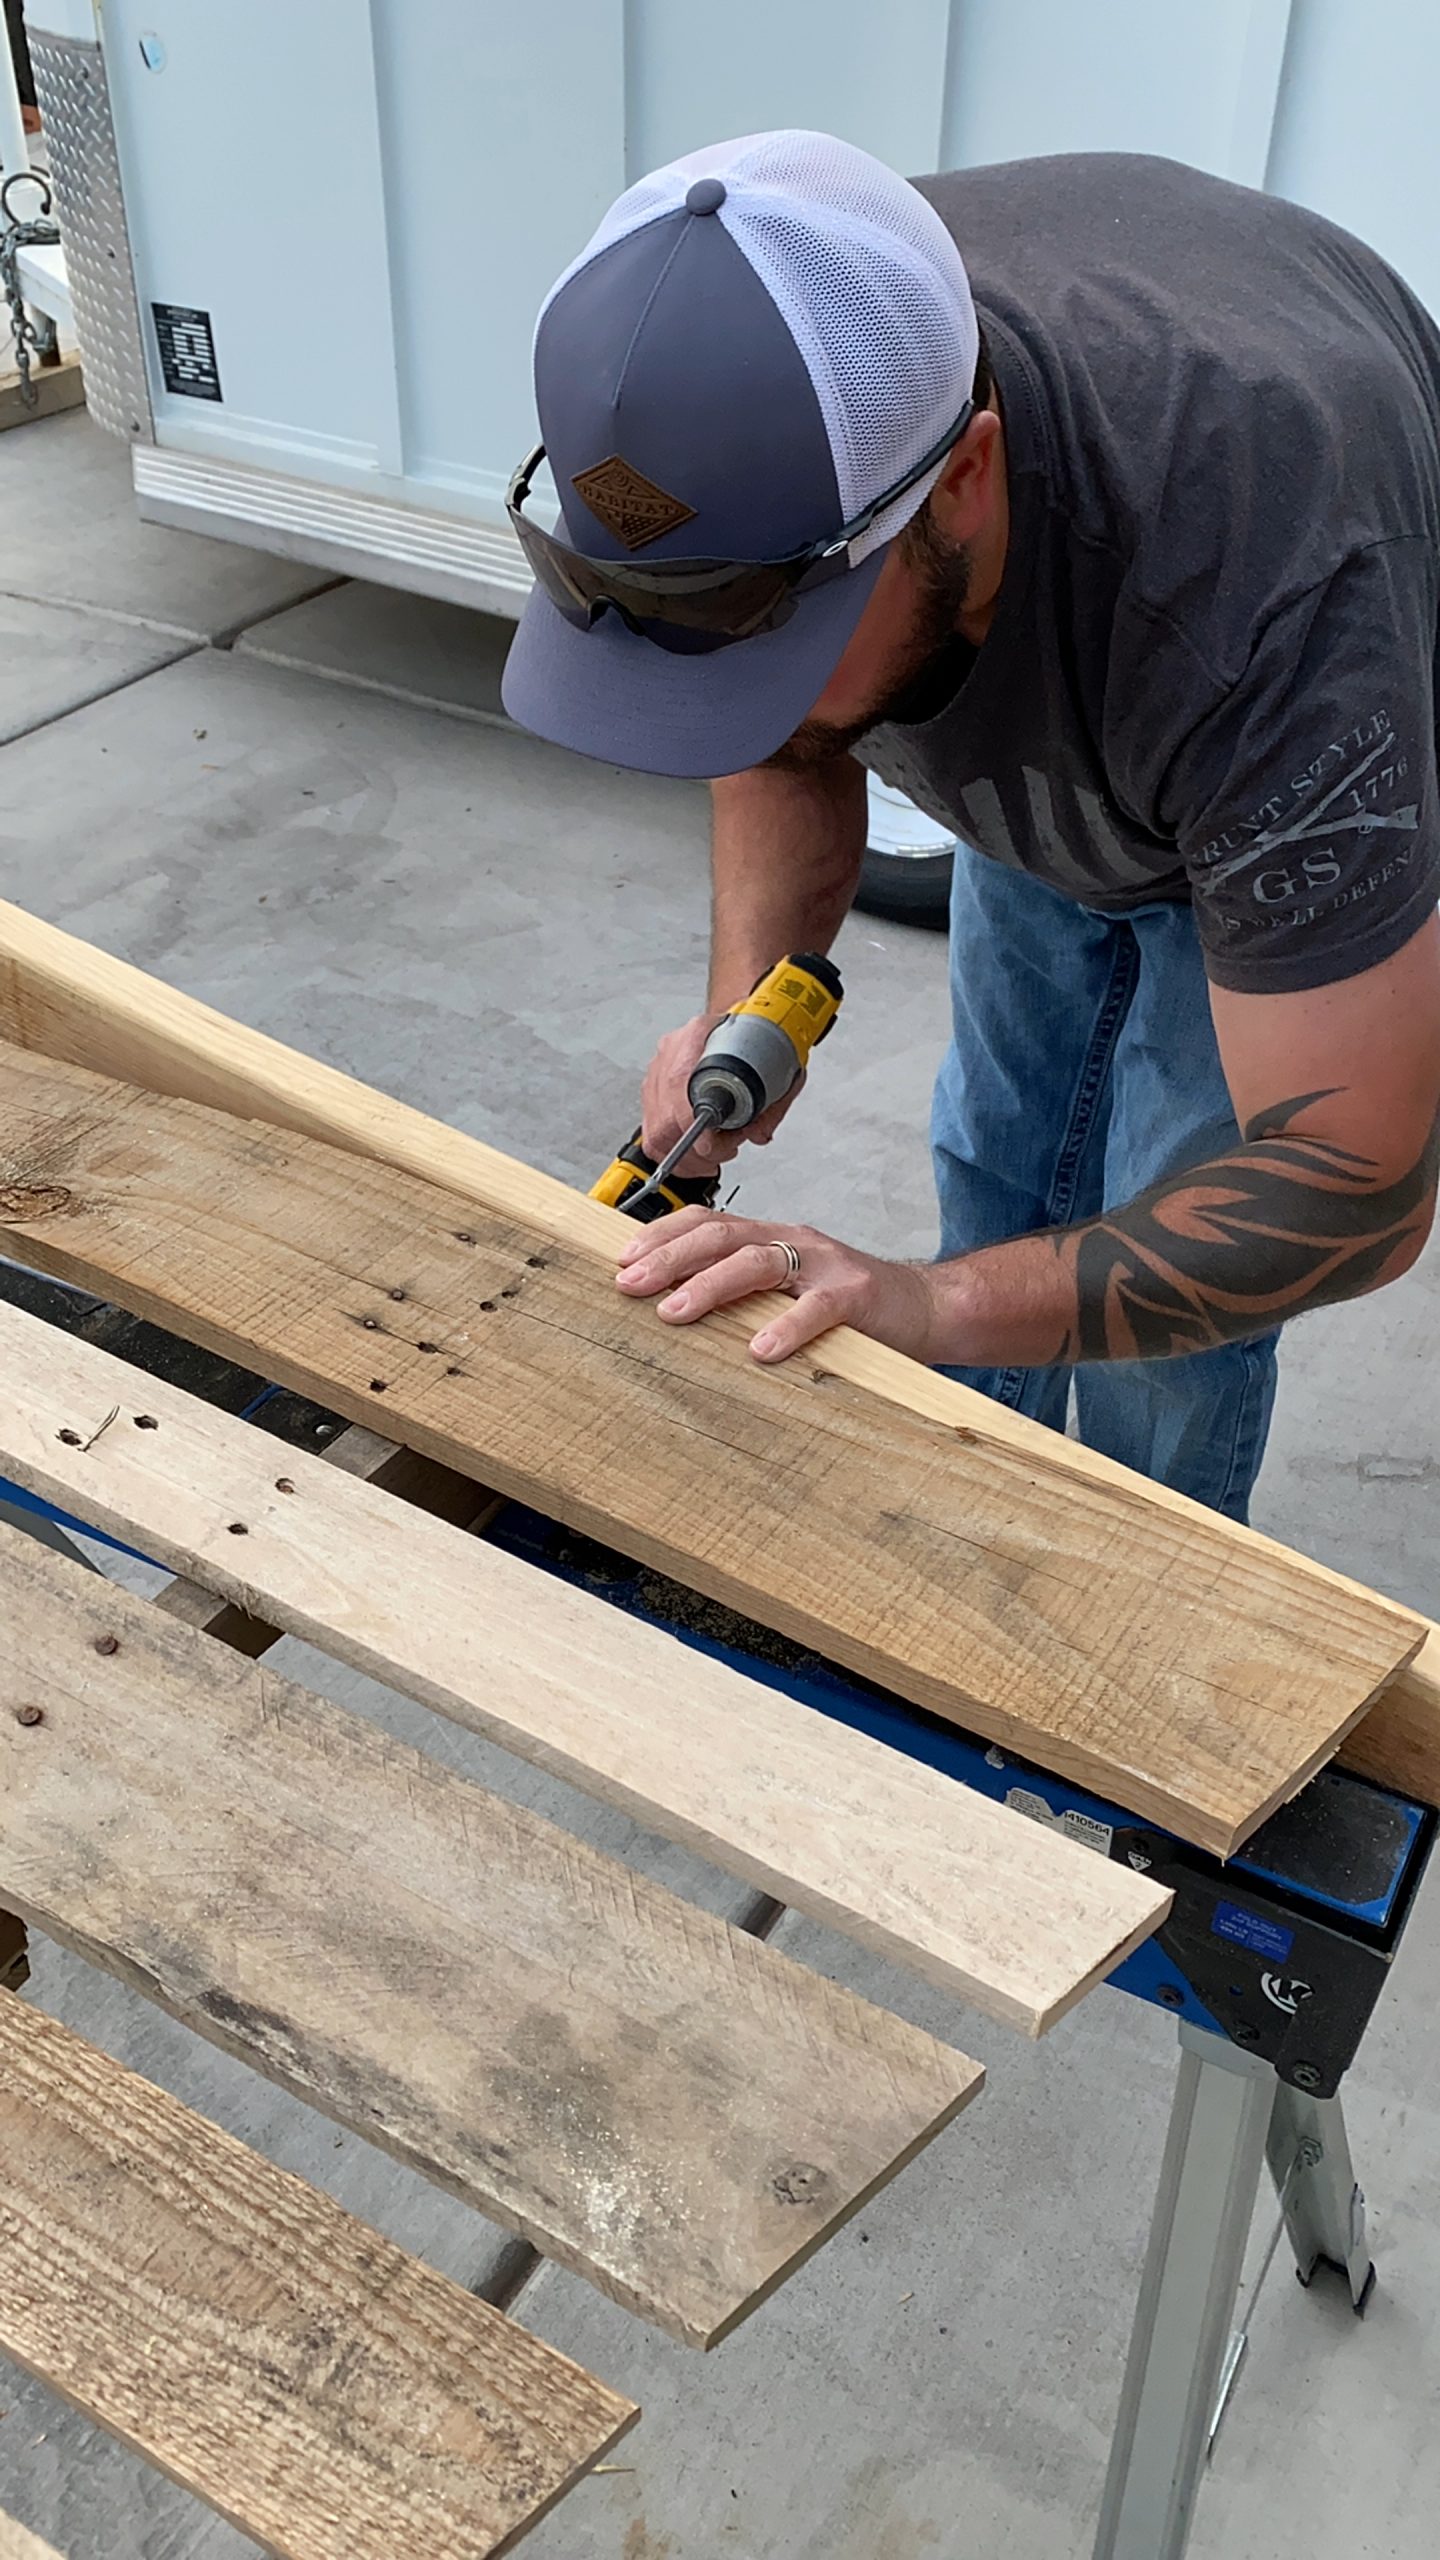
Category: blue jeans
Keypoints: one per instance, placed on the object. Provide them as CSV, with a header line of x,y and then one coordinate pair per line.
x,y
1083,1067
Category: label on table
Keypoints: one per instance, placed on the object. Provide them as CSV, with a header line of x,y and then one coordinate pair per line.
x,y
1076,1826
1248,1929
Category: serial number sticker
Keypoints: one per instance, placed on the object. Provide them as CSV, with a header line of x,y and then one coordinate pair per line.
x,y
1248,1929
1076,1826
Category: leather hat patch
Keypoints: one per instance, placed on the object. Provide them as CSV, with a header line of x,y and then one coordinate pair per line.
x,y
634,509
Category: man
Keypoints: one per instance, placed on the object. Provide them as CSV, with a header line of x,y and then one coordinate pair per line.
x,y
1124,563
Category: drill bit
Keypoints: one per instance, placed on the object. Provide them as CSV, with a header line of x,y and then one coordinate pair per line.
x,y
709,1118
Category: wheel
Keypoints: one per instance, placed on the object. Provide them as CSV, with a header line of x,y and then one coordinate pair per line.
x,y
908,862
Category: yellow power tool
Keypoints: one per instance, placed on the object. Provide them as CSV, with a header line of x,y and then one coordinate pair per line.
x,y
750,1061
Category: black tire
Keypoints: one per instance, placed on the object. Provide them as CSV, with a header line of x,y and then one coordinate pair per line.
x,y
907,888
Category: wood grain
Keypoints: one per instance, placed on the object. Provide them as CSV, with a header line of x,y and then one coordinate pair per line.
x,y
327,2393
1090,1630
66,999
648,2095
855,1833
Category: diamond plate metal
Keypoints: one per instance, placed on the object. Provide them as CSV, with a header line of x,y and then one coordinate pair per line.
x,y
90,208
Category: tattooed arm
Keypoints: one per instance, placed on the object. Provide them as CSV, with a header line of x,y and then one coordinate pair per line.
x,y
1329,1192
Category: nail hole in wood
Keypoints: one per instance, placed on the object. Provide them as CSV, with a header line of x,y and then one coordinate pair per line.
x,y
487,1308
536,1262
283,1485
146,1422
509,1293
29,1715
238,1529
427,1346
463,1236
454,1373
371,1323
107,1644
70,1438
378,1386
399,1297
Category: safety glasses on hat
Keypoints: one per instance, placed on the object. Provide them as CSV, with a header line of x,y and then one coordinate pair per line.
x,y
714,601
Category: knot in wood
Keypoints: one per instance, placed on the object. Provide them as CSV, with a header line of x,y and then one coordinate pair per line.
x,y
22,1201
799,2182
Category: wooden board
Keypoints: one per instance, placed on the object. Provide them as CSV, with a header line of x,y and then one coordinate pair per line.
x,y
56,386
63,998
330,2395
973,1896
1085,1629
648,2095
17,2544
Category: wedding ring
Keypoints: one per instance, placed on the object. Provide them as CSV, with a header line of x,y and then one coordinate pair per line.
x,y
792,1259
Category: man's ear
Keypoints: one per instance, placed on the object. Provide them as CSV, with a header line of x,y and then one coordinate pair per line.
x,y
964,493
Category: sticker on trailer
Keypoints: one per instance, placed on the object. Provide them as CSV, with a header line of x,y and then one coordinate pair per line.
x,y
187,351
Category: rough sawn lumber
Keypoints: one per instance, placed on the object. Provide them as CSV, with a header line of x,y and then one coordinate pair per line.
x,y
67,999
843,1827
655,2099
1142,1654
330,2395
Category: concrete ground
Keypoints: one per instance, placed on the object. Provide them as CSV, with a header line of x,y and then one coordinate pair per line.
x,y
224,768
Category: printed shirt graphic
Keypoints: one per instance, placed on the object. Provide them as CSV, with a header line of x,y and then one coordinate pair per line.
x,y
1212,668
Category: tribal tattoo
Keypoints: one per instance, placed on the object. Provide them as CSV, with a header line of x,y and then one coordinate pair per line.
x,y
1219,1251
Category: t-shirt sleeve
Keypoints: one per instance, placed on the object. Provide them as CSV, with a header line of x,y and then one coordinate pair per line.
x,y
1304,803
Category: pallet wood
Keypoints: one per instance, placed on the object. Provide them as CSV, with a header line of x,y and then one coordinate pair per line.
x,y
56,386
907,1862
331,2396
650,2096
64,998
1129,1652
357,1452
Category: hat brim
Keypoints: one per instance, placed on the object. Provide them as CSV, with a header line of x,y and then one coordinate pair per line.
x,y
609,693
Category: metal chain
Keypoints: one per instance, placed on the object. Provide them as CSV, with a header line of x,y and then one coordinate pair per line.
x,y
15,235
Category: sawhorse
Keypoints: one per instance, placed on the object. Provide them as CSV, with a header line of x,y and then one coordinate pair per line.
x,y
1231,2116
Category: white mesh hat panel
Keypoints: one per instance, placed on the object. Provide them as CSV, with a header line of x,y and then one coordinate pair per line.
x,y
866,278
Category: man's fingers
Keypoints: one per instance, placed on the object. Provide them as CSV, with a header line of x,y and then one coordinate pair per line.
x,y
813,1314
718,1283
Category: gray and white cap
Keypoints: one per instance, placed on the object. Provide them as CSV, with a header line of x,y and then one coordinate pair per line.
x,y
759,340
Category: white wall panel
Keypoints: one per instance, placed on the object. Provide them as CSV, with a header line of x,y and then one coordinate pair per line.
x,y
1358,131
872,71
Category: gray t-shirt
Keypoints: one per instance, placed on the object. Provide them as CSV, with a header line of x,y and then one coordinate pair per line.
x,y
1212,670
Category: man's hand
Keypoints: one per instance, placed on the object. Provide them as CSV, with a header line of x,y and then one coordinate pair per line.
x,y
666,1107
702,1259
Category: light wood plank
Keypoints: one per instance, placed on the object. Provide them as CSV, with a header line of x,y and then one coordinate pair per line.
x,y
1094,1633
357,1452
973,1896
17,2544
66,999
331,2396
643,2092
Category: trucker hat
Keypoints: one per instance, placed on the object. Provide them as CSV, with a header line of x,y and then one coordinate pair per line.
x,y
759,341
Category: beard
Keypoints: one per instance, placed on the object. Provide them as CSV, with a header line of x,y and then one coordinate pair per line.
x,y
943,576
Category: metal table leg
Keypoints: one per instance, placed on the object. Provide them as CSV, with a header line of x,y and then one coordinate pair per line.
x,y
1214,2156
1309,2153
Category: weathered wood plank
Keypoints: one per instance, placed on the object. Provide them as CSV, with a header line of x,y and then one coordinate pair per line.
x,y
973,1896
1082,1627
330,2395
643,2092
66,999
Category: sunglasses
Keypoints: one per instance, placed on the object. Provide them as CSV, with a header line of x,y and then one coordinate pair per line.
x,y
691,603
